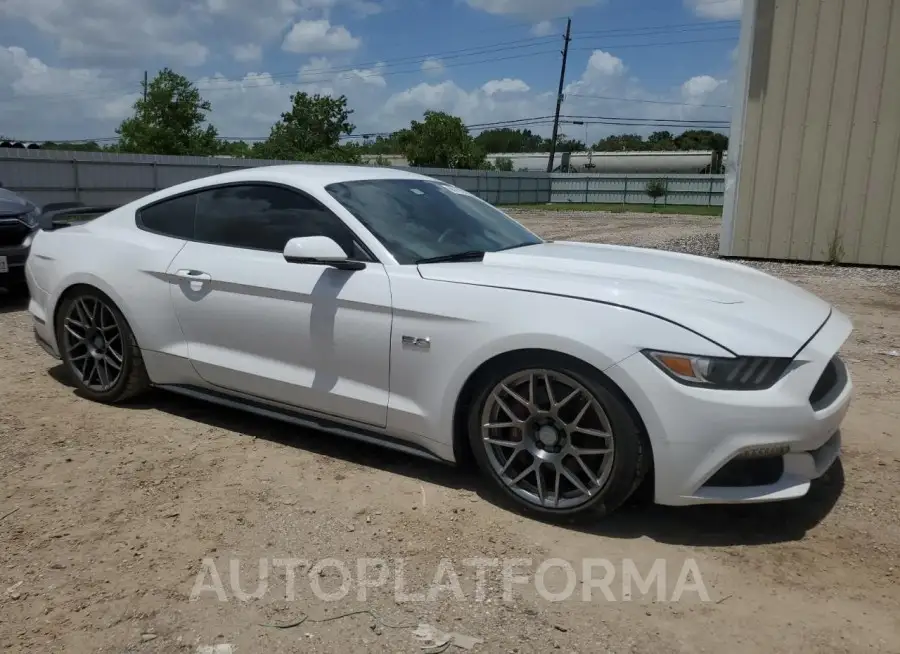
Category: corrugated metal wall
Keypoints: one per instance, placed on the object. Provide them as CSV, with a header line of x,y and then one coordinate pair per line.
x,y
696,190
101,178
819,170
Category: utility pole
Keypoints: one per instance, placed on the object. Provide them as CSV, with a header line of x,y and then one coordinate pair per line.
x,y
559,95
145,86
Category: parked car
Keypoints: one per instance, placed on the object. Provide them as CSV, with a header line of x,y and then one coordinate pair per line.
x,y
396,309
18,223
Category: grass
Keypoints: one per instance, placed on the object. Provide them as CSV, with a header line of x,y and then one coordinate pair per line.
x,y
684,209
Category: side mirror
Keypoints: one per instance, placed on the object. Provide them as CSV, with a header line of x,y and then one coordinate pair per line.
x,y
319,250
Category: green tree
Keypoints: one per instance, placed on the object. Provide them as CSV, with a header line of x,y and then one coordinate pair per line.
x,y
509,140
312,131
237,149
382,145
621,142
440,141
662,141
504,164
170,119
87,146
656,189
702,139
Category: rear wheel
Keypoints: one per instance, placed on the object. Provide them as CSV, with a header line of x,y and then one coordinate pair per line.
x,y
556,438
98,348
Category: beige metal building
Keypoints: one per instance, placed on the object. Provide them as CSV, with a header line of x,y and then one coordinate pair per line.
x,y
814,165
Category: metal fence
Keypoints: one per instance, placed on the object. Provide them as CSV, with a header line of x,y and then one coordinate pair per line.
x,y
102,178
697,190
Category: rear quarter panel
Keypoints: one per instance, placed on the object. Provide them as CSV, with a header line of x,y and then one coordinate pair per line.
x,y
126,263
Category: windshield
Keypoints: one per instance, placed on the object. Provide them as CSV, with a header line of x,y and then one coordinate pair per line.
x,y
419,219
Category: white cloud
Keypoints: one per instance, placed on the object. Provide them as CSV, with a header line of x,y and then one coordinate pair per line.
x,y
505,85
322,73
247,52
603,64
318,36
41,101
433,66
544,28
699,87
156,33
716,9
112,32
38,101
538,10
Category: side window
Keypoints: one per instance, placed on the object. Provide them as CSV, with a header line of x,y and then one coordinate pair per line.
x,y
263,217
171,218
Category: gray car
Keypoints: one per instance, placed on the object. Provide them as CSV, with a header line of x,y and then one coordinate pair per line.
x,y
18,223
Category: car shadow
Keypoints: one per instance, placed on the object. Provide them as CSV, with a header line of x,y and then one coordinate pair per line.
x,y
702,526
12,300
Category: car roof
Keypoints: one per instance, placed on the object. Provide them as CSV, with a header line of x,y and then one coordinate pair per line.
x,y
300,175
324,174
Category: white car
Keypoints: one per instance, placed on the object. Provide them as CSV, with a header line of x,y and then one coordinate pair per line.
x,y
400,310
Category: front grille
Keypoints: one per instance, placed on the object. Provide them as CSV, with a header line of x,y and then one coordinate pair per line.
x,y
741,473
12,233
830,384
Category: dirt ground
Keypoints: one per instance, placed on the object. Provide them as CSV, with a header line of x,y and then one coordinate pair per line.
x,y
107,515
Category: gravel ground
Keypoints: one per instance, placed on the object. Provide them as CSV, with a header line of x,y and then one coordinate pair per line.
x,y
108,513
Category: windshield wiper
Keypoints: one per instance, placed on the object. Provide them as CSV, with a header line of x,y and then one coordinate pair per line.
x,y
468,255
518,245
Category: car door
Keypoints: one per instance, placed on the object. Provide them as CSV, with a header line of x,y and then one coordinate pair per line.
x,y
306,335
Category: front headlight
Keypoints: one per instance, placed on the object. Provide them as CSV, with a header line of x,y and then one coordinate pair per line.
x,y
736,374
31,218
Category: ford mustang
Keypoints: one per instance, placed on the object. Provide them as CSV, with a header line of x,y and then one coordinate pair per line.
x,y
400,310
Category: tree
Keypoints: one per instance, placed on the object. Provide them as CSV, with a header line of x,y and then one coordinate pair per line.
x,y
662,141
702,139
312,130
504,164
440,141
169,119
657,188
621,142
566,144
509,140
382,145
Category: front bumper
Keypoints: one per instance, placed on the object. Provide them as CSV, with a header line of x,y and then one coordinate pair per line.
x,y
16,256
713,446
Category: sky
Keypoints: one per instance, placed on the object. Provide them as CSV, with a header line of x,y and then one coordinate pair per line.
x,y
72,69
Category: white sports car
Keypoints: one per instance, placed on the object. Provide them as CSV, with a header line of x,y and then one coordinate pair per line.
x,y
400,310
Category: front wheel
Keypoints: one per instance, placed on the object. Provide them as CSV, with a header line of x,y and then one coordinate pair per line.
x,y
556,438
98,348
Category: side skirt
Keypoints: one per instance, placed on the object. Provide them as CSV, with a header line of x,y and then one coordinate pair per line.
x,y
305,420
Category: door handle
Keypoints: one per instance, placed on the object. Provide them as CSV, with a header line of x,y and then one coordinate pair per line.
x,y
193,275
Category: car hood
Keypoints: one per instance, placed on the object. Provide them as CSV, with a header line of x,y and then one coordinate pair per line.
x,y
740,308
12,204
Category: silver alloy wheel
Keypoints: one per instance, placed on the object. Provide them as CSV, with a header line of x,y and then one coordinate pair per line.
x,y
547,438
92,338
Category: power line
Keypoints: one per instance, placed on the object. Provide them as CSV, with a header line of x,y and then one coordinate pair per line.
x,y
644,100
517,123
650,120
239,84
666,29
618,46
517,44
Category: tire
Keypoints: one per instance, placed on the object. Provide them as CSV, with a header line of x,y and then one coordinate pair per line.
x,y
618,472
88,313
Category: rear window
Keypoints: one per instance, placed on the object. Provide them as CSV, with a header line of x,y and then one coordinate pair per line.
x,y
173,217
